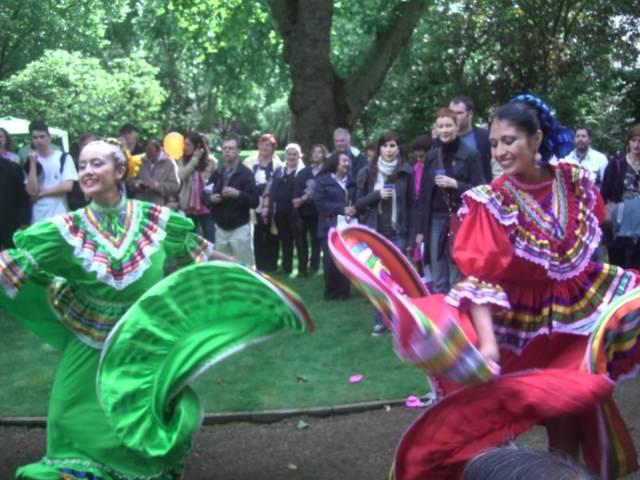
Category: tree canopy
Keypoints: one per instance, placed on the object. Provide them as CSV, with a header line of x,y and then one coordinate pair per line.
x,y
76,92
29,27
302,68
581,56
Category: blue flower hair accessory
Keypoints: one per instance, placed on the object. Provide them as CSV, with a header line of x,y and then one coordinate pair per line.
x,y
558,139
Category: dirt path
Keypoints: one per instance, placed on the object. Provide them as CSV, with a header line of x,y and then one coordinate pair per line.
x,y
350,447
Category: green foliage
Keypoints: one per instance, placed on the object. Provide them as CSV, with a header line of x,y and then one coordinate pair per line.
x,y
79,94
275,120
221,64
581,56
219,61
29,27
353,31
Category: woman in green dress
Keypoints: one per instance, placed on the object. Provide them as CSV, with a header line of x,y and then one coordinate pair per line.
x,y
90,283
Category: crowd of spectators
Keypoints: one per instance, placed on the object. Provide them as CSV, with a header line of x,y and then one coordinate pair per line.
x,y
263,209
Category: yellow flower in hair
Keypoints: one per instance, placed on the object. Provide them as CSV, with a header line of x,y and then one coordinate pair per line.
x,y
134,162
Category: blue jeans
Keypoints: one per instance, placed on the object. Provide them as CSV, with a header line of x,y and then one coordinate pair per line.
x,y
444,272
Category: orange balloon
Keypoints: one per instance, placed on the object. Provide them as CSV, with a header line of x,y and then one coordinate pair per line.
x,y
173,145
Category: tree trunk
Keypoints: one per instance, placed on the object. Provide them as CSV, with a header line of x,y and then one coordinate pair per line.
x,y
306,28
320,100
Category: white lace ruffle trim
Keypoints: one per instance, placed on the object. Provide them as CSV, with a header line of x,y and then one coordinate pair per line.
x,y
102,271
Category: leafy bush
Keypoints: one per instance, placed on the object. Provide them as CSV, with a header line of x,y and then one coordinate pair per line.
x,y
80,94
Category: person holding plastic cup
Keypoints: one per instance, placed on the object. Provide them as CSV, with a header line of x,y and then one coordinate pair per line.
x,y
385,198
450,169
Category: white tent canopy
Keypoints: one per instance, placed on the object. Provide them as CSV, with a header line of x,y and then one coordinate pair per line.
x,y
18,126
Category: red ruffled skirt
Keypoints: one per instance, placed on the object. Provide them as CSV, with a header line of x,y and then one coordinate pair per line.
x,y
555,372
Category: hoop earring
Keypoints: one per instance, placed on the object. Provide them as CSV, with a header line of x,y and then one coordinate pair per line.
x,y
537,158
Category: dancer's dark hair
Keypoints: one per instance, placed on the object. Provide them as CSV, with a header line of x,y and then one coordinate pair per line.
x,y
530,114
518,463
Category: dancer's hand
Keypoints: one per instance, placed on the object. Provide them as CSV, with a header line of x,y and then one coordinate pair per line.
x,y
490,352
482,321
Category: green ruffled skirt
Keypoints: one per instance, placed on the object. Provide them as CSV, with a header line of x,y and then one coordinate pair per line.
x,y
127,411
81,443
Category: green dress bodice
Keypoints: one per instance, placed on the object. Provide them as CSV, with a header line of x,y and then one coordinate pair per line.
x,y
94,264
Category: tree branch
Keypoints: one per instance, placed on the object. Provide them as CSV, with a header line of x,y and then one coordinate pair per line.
x,y
539,22
558,17
570,22
365,82
284,12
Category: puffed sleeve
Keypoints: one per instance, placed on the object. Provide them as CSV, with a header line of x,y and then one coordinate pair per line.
x,y
482,249
584,182
40,249
183,244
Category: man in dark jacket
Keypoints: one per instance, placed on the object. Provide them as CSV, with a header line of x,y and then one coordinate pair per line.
x,y
308,214
475,137
234,194
14,201
342,143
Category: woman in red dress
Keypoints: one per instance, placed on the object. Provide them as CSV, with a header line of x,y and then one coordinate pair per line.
x,y
563,327
525,248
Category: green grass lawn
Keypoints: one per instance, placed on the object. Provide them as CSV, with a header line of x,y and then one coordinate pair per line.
x,y
288,371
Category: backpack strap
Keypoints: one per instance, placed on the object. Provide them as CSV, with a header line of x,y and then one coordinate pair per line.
x,y
63,160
